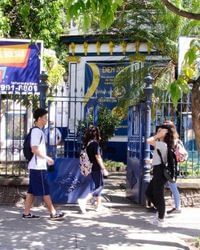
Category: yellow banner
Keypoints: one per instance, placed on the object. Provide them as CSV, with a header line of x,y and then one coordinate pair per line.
x,y
14,55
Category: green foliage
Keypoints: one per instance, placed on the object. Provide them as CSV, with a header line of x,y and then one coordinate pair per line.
x,y
38,19
189,72
197,243
161,28
107,122
129,83
189,168
87,11
132,81
114,165
4,20
54,70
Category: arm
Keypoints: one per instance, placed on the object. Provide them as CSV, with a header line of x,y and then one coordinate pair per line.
x,y
100,161
160,134
152,140
37,152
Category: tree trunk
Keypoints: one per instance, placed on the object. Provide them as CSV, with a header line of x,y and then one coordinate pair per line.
x,y
196,111
180,12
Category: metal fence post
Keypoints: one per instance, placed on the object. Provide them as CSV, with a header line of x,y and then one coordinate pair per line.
x,y
43,87
148,90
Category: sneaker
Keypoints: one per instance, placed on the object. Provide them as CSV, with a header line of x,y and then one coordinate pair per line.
x,y
57,216
151,209
99,208
30,216
174,211
93,201
158,222
82,205
161,223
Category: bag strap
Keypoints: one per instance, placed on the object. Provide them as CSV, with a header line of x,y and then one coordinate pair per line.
x,y
40,140
89,143
159,153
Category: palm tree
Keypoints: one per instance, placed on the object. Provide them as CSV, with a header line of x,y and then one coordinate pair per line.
x,y
161,28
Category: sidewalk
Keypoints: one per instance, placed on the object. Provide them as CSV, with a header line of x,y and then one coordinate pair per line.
x,y
121,226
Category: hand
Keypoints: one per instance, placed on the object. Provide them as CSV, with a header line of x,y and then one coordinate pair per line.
x,y
105,172
50,161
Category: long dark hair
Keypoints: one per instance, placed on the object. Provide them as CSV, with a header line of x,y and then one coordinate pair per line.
x,y
170,123
92,133
169,137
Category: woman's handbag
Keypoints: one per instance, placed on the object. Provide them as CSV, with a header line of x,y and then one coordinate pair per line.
x,y
169,168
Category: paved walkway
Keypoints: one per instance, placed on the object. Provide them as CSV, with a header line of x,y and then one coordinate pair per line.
x,y
120,226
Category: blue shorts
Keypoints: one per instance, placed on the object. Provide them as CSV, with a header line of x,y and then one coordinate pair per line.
x,y
38,182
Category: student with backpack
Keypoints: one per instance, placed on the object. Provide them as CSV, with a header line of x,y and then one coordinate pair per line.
x,y
91,143
162,141
181,155
37,165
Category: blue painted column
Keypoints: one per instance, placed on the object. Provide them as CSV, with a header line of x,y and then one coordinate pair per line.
x,y
148,90
43,87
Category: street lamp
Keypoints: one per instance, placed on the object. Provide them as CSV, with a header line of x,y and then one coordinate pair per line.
x,y
43,87
148,91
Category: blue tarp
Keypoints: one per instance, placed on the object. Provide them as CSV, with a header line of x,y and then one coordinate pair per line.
x,y
66,182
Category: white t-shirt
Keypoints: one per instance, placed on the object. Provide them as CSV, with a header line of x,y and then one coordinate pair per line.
x,y
38,139
162,146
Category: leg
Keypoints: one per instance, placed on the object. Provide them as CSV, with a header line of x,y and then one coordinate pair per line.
x,y
98,181
48,202
175,193
149,192
158,191
159,199
28,203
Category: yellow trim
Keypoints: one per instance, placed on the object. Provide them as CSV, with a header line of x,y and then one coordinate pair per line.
x,y
111,46
73,48
76,59
85,48
124,46
98,48
137,46
95,82
137,57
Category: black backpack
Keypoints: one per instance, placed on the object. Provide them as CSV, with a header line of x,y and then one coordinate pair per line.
x,y
28,154
170,168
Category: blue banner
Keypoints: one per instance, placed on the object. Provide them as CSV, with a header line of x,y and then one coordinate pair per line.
x,y
19,66
99,79
66,182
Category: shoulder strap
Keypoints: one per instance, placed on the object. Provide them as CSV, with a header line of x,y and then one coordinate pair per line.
x,y
159,153
89,143
40,141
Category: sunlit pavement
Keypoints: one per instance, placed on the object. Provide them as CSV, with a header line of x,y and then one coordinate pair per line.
x,y
119,226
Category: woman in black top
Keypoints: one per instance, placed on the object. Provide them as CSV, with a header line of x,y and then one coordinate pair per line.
x,y
91,142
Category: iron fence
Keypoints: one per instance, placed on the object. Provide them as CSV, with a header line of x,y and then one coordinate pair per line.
x,y
16,119
182,118
65,111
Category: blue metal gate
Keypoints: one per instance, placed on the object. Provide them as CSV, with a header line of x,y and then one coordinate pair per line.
x,y
141,125
135,154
